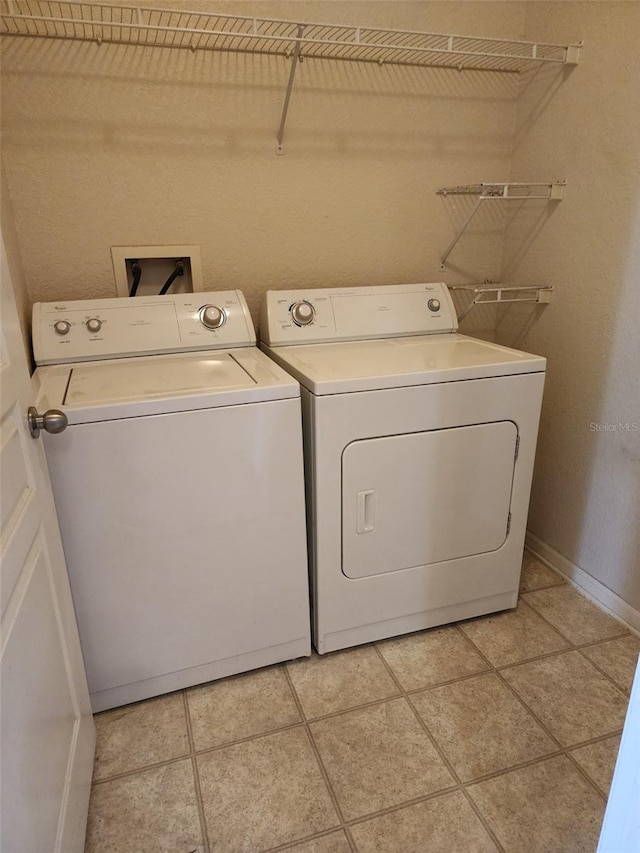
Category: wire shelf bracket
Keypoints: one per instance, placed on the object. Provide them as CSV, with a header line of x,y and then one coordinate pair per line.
x,y
285,107
492,294
553,191
178,28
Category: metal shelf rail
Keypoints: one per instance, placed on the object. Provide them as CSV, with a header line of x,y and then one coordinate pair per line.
x,y
195,30
552,191
487,294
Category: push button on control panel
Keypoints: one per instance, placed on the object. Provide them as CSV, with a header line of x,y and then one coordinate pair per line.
x,y
302,313
433,305
62,327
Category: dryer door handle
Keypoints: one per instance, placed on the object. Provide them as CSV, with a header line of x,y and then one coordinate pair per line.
x,y
366,511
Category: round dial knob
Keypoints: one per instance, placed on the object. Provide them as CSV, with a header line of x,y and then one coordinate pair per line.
x,y
433,305
94,325
62,327
212,317
302,313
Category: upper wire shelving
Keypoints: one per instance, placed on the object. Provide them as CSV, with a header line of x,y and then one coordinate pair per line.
x,y
196,30
211,31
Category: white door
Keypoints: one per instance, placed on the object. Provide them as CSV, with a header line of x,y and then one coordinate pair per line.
x,y
426,497
46,728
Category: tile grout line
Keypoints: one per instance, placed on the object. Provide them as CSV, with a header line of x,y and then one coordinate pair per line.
x,y
578,647
198,752
220,746
624,631
593,643
459,787
530,607
440,751
125,775
522,591
372,703
562,749
318,757
356,821
406,697
593,784
196,774
400,692
300,724
289,845
626,693
490,667
512,690
407,694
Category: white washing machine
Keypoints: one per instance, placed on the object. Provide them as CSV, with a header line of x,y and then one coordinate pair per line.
x,y
419,451
179,488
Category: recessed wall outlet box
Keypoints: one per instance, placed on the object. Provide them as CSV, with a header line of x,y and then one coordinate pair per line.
x,y
157,263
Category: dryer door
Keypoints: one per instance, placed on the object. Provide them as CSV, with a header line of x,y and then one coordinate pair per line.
x,y
421,498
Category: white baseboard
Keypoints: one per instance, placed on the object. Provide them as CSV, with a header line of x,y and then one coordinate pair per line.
x,y
588,585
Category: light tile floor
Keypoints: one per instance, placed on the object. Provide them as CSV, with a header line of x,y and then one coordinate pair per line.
x,y
499,733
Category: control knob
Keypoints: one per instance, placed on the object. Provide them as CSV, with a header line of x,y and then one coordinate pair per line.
x,y
62,327
212,317
94,325
302,313
433,305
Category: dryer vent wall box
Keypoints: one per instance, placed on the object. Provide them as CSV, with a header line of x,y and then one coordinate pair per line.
x,y
179,488
419,447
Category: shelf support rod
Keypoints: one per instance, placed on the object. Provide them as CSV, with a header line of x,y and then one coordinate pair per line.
x,y
287,97
453,243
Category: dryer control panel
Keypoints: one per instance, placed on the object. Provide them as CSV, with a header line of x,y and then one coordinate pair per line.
x,y
90,329
356,313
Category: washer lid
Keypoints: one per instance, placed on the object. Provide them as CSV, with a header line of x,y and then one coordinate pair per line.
x,y
162,384
339,368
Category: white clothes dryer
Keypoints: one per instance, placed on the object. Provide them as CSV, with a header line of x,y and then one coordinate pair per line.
x,y
419,452
179,488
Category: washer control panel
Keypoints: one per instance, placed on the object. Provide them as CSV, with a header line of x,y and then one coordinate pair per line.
x,y
356,313
90,329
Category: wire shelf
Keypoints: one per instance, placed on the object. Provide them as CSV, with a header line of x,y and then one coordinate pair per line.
x,y
175,28
553,190
492,294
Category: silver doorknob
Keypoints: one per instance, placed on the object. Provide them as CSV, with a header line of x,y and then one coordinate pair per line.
x,y
52,421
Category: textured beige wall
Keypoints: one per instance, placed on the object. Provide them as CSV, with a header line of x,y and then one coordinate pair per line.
x,y
586,495
10,239
115,145
110,145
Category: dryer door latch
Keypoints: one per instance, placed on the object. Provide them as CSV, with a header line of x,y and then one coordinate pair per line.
x,y
366,518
